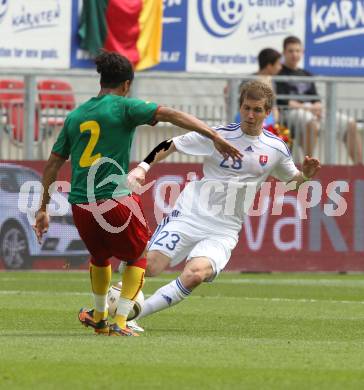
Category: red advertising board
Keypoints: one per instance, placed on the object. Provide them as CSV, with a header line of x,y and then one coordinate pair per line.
x,y
331,238
287,242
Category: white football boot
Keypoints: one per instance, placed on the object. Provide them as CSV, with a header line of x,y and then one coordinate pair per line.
x,y
133,325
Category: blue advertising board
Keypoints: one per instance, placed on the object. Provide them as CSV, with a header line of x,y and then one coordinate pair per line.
x,y
79,58
335,37
174,42
331,30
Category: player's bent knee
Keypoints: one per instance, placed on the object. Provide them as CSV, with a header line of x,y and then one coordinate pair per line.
x,y
152,270
194,276
156,263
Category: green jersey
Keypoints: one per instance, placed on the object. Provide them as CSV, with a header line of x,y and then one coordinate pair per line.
x,y
98,137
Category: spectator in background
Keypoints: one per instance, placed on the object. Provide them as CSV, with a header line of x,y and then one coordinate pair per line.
x,y
305,116
269,65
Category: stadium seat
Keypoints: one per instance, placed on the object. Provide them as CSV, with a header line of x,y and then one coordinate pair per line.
x,y
11,90
11,99
15,121
56,99
53,94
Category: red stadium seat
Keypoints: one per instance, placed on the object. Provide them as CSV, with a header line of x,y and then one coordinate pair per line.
x,y
11,96
11,90
53,94
56,99
15,121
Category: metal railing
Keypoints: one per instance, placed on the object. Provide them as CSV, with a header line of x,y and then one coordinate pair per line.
x,y
28,128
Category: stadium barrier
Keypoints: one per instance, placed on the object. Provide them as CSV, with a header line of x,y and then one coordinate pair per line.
x,y
30,123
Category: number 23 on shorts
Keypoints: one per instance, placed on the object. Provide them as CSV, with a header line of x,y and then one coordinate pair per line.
x,y
170,242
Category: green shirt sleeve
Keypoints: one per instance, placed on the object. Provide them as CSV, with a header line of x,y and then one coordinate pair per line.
x,y
140,112
62,145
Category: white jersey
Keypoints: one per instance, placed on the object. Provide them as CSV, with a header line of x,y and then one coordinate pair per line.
x,y
221,199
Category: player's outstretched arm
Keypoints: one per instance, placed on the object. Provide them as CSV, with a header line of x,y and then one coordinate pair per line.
x,y
189,122
51,169
136,176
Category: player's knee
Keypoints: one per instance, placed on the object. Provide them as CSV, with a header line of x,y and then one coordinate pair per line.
x,y
155,265
194,276
152,270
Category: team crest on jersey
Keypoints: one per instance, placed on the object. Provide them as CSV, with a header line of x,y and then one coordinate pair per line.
x,y
263,159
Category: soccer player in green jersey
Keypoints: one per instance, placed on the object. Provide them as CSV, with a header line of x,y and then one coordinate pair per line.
x,y
97,136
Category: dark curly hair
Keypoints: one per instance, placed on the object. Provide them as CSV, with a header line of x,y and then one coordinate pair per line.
x,y
257,90
114,69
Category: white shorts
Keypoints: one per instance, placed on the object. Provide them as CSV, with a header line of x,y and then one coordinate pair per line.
x,y
179,241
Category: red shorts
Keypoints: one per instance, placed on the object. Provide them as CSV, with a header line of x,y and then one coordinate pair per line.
x,y
128,243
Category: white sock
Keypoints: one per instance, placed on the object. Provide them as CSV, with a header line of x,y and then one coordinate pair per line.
x,y
168,295
122,266
100,302
124,306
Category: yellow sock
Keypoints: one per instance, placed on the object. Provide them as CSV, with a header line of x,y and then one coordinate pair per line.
x,y
121,321
100,315
100,280
133,280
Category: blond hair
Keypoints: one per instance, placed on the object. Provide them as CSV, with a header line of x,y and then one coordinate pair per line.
x,y
257,90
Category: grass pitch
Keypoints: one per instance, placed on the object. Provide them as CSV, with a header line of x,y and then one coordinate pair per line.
x,y
281,331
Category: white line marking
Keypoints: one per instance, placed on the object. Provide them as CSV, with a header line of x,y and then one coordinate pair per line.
x,y
50,293
354,283
264,299
339,35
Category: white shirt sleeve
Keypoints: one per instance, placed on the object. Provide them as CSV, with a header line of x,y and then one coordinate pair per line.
x,y
285,170
194,144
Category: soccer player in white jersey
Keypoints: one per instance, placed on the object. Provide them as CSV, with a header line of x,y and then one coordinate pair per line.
x,y
208,215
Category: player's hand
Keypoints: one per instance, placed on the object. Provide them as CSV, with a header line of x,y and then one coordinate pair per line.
x,y
41,224
226,148
310,166
136,179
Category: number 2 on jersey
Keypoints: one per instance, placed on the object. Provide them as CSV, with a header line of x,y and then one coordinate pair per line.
x,y
237,164
87,159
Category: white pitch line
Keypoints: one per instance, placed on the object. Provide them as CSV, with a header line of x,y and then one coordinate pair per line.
x,y
303,300
41,279
50,293
294,282
264,299
354,283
